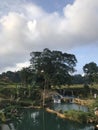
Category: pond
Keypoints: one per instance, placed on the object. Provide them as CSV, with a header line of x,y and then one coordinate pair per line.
x,y
34,119
69,106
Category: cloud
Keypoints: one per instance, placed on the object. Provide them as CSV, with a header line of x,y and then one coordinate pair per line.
x,y
82,19
31,28
18,66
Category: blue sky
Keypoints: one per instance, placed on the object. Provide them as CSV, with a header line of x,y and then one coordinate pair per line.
x,y
84,55
32,25
52,5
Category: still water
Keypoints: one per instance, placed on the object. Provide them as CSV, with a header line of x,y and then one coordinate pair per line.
x,y
42,120
69,106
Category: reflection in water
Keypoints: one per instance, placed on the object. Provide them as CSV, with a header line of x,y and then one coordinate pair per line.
x,y
7,127
41,120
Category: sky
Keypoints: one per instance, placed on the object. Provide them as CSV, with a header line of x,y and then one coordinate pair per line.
x,y
70,26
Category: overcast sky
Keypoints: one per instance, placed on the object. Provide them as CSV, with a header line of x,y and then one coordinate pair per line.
x,y
32,25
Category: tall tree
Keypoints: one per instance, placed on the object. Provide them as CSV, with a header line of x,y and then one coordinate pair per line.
x,y
91,72
53,67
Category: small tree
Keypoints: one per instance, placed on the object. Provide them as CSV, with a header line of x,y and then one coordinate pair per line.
x,y
91,72
27,78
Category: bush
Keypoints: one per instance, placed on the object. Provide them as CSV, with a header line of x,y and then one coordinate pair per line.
x,y
79,116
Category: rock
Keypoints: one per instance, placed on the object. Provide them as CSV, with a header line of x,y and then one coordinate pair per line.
x,y
96,127
96,112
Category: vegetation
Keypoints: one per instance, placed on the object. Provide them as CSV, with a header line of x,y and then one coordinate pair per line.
x,y
91,72
53,71
53,67
81,117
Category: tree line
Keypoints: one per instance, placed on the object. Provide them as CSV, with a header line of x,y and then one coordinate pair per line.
x,y
52,68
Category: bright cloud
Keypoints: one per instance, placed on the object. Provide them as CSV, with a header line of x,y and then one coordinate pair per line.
x,y
31,28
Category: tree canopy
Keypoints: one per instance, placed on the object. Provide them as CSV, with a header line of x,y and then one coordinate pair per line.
x,y
10,76
91,72
54,67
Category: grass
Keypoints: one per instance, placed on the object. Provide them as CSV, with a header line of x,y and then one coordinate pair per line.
x,y
81,117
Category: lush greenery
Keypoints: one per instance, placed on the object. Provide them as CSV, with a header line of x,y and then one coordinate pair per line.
x,y
53,71
80,116
91,72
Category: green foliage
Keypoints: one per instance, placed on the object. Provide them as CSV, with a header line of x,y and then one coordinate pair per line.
x,y
8,91
10,77
95,104
52,67
86,87
90,68
79,116
26,75
91,72
2,116
78,79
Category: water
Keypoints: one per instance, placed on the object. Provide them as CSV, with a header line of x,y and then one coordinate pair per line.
x,y
71,106
42,120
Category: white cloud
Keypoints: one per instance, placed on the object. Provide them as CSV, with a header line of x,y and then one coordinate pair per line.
x,y
18,66
32,28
